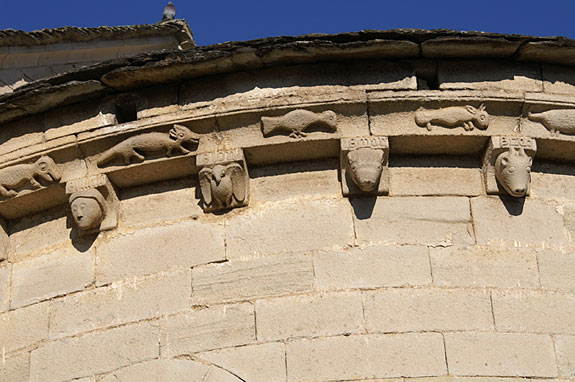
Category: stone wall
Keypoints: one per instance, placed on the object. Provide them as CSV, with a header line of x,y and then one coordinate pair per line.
x,y
439,279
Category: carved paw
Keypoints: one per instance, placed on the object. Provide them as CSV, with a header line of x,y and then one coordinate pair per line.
x,y
429,126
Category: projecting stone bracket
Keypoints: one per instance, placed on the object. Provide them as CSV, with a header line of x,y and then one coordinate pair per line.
x,y
94,204
364,166
224,180
507,165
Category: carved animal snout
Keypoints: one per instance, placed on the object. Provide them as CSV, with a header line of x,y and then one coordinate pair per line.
x,y
366,166
513,171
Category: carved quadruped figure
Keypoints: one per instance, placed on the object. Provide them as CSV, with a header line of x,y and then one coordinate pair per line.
x,y
556,121
296,121
467,117
363,162
14,177
507,163
223,180
138,145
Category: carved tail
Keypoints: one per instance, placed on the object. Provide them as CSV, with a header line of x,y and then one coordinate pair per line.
x,y
535,117
105,157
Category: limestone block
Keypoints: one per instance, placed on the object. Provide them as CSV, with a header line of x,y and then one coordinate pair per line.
x,y
159,249
404,310
520,223
290,226
552,185
132,300
58,273
534,311
414,220
22,133
251,278
254,363
556,270
407,181
558,79
23,327
309,316
78,118
484,267
372,267
207,329
369,356
158,100
483,379
480,75
500,354
565,347
94,353
5,270
15,368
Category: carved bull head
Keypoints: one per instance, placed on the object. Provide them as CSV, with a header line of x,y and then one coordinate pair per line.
x,y
513,171
365,167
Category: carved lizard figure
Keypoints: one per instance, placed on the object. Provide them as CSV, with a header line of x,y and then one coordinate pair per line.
x,y
454,116
17,176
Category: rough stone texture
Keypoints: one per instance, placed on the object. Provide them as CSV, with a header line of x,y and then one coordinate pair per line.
x,y
15,368
94,353
414,220
484,267
254,363
435,181
507,221
372,267
309,316
552,186
190,243
500,354
565,347
362,357
207,329
245,279
558,79
403,310
4,286
132,300
555,271
23,327
535,312
304,226
55,274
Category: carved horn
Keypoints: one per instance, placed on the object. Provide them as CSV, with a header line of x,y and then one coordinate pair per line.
x,y
482,107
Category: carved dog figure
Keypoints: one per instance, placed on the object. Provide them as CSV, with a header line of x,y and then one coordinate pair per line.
x,y
223,185
454,116
556,121
17,176
296,121
136,146
365,167
513,171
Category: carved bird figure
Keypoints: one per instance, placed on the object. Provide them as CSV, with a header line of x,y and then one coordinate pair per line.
x,y
169,12
223,185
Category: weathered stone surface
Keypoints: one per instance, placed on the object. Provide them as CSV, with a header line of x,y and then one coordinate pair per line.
x,y
55,274
158,249
535,312
558,79
372,267
309,316
207,329
414,220
246,279
484,267
23,327
132,300
500,354
472,47
313,223
552,185
565,347
254,363
78,118
362,357
435,181
5,270
556,270
403,310
533,223
94,353
15,368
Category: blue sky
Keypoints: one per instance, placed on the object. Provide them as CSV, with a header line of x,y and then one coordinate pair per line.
x,y
218,21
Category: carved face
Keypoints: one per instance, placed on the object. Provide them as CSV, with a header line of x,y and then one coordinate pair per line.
x,y
87,213
365,167
513,171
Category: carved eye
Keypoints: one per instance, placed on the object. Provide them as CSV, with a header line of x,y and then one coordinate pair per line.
x,y
43,167
511,170
482,117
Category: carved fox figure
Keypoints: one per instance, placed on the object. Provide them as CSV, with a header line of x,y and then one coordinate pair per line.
x,y
467,117
17,176
136,146
296,121
513,171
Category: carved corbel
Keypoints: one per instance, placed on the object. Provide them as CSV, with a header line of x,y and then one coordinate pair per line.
x,y
364,166
94,204
224,180
507,165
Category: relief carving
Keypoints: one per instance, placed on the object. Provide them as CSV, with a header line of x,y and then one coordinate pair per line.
x,y
224,180
147,143
556,121
15,178
467,117
94,204
507,164
296,121
363,163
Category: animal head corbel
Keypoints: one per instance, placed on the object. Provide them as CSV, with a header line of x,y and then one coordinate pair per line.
x,y
365,167
513,171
